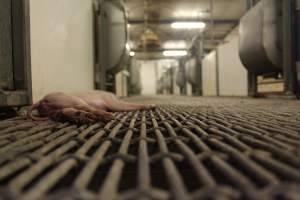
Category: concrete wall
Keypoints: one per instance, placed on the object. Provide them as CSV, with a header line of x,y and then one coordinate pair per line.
x,y
209,76
232,74
153,70
148,77
189,89
61,46
121,84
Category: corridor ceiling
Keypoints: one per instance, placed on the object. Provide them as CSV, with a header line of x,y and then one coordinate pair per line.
x,y
220,16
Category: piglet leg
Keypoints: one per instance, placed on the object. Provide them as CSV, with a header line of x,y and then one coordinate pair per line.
x,y
101,114
79,116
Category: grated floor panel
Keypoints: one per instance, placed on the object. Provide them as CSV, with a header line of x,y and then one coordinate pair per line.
x,y
187,148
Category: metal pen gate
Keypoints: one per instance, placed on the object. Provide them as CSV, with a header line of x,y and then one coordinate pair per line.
x,y
15,73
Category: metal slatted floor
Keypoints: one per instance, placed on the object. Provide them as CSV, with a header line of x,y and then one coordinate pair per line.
x,y
187,148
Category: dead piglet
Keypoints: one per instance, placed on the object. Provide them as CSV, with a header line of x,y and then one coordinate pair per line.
x,y
62,107
87,107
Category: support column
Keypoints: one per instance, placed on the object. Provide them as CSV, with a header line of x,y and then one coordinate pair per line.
x,y
100,76
183,89
6,46
198,88
217,73
289,53
252,78
172,71
252,84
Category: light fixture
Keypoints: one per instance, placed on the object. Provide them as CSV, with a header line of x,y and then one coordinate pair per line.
x,y
128,46
188,25
132,53
175,53
175,44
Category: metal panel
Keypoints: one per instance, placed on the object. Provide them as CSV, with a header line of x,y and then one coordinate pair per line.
x,y
15,73
6,62
18,44
135,78
180,76
289,47
167,81
113,36
260,38
13,98
191,71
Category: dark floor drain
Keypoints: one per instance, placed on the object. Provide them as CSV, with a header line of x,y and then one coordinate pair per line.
x,y
219,151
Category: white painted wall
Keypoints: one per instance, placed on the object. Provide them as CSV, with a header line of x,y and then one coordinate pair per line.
x,y
232,74
148,77
121,84
61,46
189,89
209,76
153,70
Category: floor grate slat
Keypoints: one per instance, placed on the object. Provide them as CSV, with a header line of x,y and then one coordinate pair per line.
x,y
186,148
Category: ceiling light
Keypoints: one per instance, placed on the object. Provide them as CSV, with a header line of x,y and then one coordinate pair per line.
x,y
132,53
175,44
188,25
175,53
